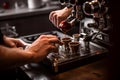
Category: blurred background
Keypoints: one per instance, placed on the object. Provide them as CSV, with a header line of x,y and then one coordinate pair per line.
x,y
26,16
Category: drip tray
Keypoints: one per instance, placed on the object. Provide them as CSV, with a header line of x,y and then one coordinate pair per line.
x,y
66,63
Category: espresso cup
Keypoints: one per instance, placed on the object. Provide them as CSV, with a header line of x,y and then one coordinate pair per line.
x,y
65,47
74,48
65,41
76,37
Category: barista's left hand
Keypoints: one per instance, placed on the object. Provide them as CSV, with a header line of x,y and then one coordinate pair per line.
x,y
12,42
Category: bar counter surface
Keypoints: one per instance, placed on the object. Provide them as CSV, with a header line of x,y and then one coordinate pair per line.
x,y
93,71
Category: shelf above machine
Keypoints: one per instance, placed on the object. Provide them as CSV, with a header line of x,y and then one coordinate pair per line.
x,y
23,12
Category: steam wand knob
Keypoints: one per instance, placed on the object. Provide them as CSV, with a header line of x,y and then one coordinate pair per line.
x,y
66,26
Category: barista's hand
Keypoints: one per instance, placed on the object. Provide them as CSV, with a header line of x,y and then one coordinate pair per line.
x,y
42,46
59,15
12,42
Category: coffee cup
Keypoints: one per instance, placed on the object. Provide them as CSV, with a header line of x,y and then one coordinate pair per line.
x,y
74,48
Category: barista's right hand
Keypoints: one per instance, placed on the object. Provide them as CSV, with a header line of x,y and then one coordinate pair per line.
x,y
59,15
42,46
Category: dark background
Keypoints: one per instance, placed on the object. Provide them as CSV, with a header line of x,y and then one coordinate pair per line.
x,y
114,58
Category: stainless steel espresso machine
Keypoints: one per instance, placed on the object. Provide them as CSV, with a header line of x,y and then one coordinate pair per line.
x,y
90,44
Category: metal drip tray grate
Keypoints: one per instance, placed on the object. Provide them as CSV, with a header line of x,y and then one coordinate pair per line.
x,y
30,38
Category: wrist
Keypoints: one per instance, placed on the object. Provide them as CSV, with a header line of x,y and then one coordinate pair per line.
x,y
29,56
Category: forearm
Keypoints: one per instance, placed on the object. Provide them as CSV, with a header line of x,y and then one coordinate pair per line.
x,y
12,57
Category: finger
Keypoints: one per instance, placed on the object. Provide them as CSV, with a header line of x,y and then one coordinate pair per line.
x,y
54,41
19,43
51,15
47,36
51,36
53,48
58,20
12,45
55,20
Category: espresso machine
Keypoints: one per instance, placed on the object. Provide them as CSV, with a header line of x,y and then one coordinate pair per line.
x,y
93,17
90,44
